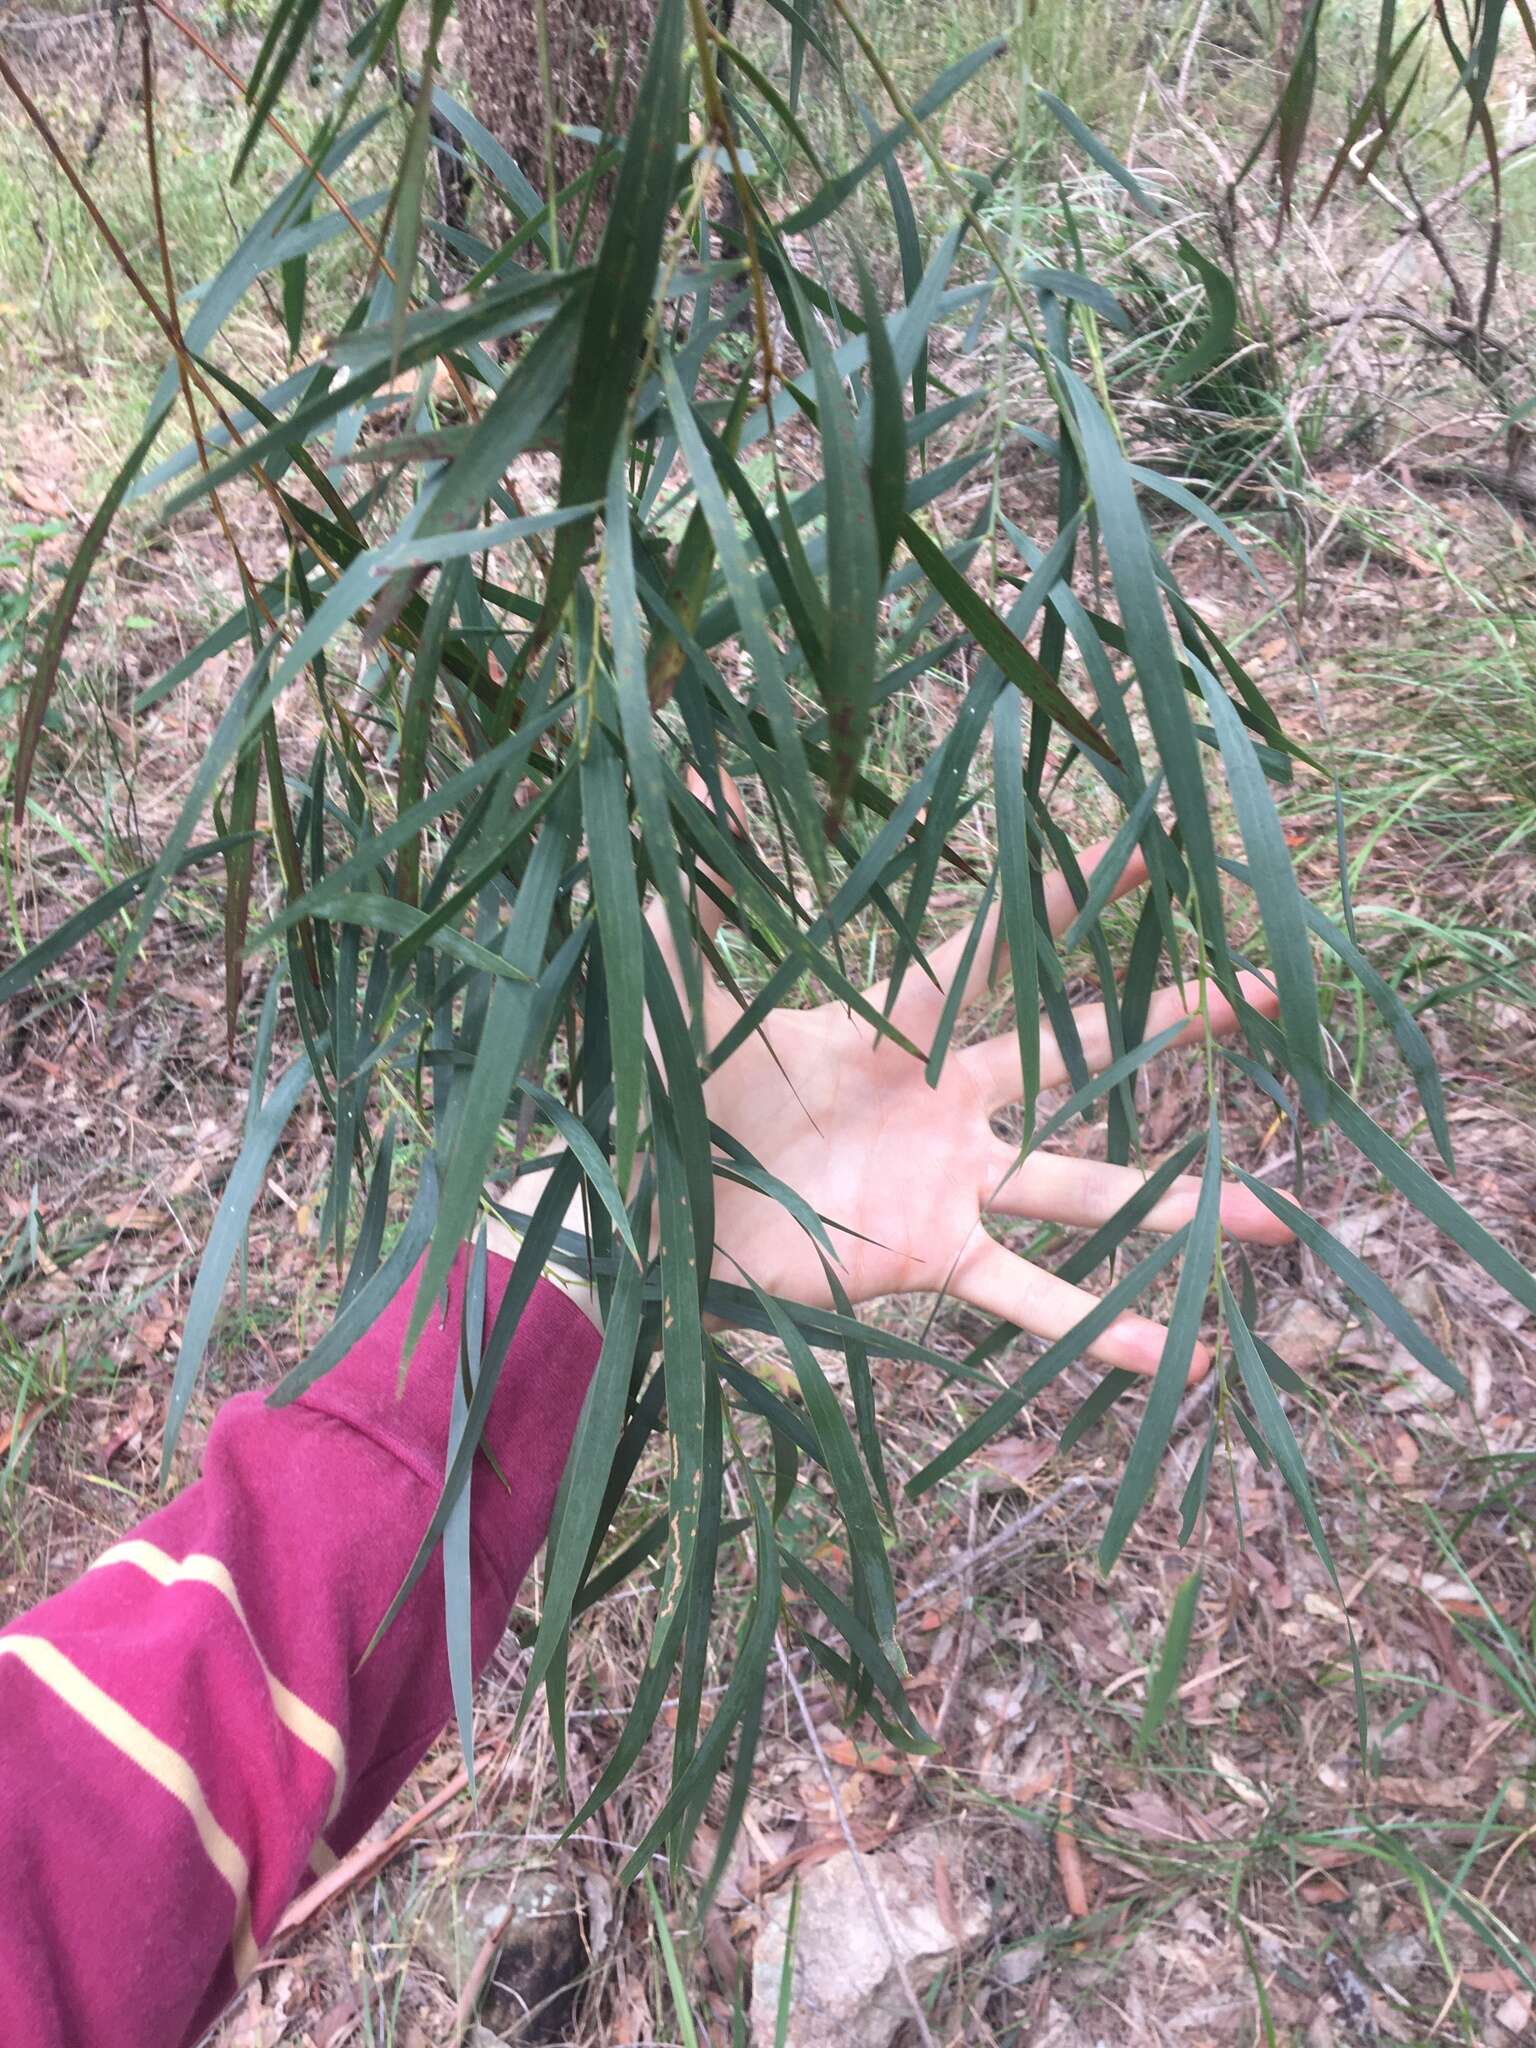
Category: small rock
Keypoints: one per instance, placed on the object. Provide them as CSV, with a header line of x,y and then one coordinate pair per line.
x,y
1514,2015
541,1957
847,1992
1016,1965
1306,1336
1061,2029
1398,1960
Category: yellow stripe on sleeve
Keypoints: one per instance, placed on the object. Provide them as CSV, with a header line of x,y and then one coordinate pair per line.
x,y
67,1682
301,1721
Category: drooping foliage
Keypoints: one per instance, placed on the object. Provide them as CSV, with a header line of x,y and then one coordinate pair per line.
x,y
543,555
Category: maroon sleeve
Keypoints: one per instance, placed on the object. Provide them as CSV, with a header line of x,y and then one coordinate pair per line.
x,y
187,1734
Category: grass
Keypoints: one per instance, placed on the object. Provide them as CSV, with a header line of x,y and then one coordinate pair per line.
x,y
79,340
1436,755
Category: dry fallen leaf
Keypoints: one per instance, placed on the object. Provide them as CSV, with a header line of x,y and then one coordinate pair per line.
x,y
1448,1791
38,497
12,1430
1323,1890
853,1757
1238,1782
134,1217
944,1900
1013,1461
1514,2014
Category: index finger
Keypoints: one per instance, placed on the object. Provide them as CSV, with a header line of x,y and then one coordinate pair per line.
x,y
919,1004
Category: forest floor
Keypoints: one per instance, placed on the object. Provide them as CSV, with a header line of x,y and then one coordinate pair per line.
x,y
1247,1877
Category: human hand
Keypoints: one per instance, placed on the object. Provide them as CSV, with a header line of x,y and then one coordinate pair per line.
x,y
847,1119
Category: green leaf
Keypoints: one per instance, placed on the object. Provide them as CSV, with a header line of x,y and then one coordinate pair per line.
x,y
1072,284
999,642
499,763
1094,1407
1111,865
1150,644
1096,152
585,1479
1296,105
687,2031
410,181
1409,1039
362,1306
1172,1374
16,979
906,1731
1372,1293
1163,1685
752,1652
826,201
1274,1427
596,1168
615,892
642,758
1048,1366
885,438
955,994
753,620
388,914
1214,344
751,1173
464,1165
458,1593
521,1282
841,1457
618,305
508,174
246,1181
287,31
1107,1239
847,679
1274,884
682,1351
61,615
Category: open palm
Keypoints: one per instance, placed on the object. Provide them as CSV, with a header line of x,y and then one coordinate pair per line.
x,y
909,1172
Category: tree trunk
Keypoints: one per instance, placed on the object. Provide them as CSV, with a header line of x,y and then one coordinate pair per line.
x,y
596,54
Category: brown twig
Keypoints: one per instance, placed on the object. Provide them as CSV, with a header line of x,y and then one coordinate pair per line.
x,y
98,134
152,305
172,313
284,135
1069,1862
291,142
365,1859
721,131
1004,1541
479,1970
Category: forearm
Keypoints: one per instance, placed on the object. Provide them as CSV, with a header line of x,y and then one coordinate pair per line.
x,y
189,1730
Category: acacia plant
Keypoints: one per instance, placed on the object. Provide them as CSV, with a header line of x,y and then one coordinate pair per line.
x,y
548,578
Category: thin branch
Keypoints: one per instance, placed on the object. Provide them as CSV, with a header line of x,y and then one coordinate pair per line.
x,y
995,1546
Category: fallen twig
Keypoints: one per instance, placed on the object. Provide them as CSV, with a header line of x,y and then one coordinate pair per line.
x,y
1069,1860
365,1859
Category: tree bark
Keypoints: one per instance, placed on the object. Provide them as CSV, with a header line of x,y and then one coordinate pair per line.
x,y
596,54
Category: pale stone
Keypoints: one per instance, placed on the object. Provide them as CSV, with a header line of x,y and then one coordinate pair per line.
x,y
847,1990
